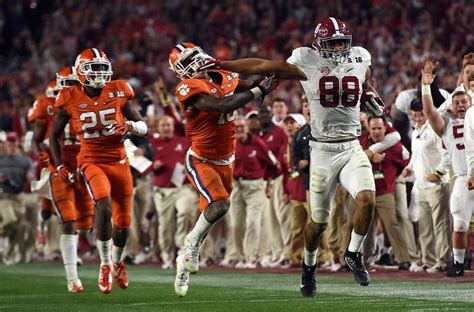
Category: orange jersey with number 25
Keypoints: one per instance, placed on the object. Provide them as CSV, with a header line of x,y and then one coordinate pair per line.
x,y
212,134
91,116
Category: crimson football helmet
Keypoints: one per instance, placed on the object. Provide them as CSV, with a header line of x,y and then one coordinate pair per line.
x,y
66,77
327,33
185,60
52,89
93,68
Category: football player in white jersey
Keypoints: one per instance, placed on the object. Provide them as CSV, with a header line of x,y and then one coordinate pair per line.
x,y
333,75
450,128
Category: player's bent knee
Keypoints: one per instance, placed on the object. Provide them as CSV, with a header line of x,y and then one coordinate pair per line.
x,y
320,216
84,225
319,178
122,221
365,199
460,226
84,231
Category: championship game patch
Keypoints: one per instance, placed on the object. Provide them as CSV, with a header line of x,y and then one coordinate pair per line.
x,y
325,70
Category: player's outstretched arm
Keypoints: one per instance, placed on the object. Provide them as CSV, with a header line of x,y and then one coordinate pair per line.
x,y
59,123
258,66
228,104
434,117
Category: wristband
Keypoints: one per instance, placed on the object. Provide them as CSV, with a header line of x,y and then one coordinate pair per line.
x,y
256,92
425,89
138,128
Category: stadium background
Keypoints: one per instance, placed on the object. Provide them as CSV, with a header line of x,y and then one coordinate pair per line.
x,y
40,37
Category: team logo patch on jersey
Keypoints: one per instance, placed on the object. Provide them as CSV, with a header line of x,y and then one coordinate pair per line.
x,y
213,90
184,89
325,70
83,105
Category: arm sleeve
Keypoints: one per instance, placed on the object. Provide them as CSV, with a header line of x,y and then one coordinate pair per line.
x,y
438,98
469,140
388,141
295,57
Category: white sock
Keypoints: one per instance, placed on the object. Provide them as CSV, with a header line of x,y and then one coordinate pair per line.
x,y
104,248
355,245
459,255
68,245
310,257
117,254
200,229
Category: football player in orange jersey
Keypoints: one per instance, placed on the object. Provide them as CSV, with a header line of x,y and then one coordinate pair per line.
x,y
208,100
98,110
41,114
73,206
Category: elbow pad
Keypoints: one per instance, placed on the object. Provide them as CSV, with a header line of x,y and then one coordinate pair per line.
x,y
372,104
139,128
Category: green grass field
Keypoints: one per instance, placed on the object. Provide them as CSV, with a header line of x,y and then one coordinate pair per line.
x,y
41,287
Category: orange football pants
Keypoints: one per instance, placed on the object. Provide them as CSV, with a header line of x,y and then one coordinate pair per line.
x,y
72,203
114,181
211,181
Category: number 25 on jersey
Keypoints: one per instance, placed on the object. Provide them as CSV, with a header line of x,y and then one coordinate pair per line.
x,y
90,120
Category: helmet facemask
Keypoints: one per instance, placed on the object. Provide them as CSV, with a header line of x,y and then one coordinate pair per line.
x,y
66,81
332,55
97,72
188,63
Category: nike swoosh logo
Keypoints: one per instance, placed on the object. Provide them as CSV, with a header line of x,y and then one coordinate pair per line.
x,y
348,70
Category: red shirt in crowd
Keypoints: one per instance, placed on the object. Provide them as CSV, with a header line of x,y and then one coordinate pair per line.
x,y
292,180
274,139
386,172
251,159
170,152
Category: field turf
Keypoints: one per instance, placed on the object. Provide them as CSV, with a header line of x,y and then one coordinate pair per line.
x,y
42,287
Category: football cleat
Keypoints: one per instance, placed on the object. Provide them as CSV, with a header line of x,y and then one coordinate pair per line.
x,y
308,281
181,282
457,269
105,278
191,256
355,261
120,275
75,286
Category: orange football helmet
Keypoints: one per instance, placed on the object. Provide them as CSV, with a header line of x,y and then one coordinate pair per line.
x,y
185,60
93,68
52,89
66,77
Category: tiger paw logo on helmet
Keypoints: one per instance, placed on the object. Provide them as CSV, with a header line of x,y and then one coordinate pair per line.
x,y
93,68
